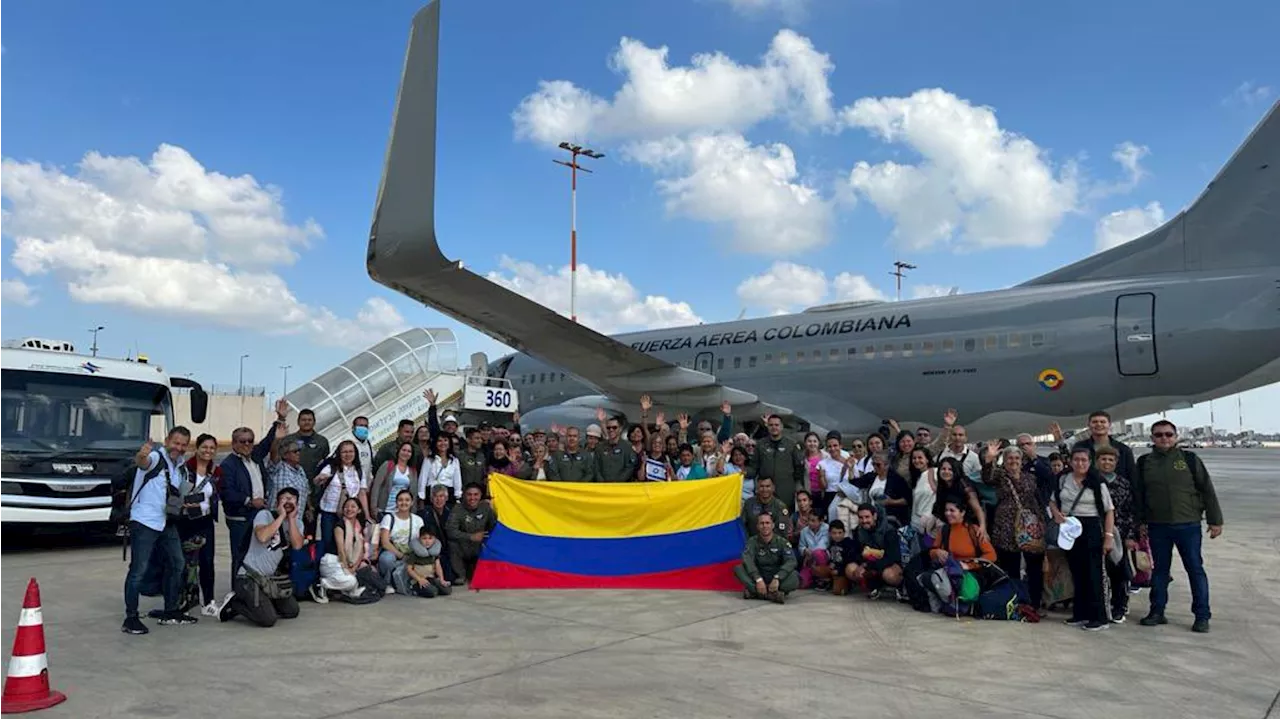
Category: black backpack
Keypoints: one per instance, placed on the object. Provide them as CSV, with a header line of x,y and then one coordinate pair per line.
x,y
122,498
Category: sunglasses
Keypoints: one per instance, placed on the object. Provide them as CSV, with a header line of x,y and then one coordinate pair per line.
x,y
1162,434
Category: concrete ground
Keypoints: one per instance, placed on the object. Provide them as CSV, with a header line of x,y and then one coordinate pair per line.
x,y
672,654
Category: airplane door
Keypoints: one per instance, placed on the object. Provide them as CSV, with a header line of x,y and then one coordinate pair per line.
x,y
1136,334
704,362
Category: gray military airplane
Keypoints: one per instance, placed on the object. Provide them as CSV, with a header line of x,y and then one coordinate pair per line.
x,y
1187,313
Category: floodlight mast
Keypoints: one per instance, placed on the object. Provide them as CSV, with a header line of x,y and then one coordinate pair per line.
x,y
574,150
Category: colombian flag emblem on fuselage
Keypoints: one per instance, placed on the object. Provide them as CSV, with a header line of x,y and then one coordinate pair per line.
x,y
1051,380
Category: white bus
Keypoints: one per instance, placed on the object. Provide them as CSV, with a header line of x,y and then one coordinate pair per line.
x,y
71,422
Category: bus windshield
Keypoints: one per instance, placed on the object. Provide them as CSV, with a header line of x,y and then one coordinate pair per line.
x,y
53,411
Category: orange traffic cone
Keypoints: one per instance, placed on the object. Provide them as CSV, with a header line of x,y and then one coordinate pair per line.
x,y
27,687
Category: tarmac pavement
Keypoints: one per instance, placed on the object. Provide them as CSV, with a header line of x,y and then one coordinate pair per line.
x,y
670,654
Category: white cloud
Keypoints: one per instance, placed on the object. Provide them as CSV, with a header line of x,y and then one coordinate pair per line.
x,y
171,238
853,288
17,292
977,185
783,286
793,10
607,303
1249,93
923,291
787,286
1130,155
1121,226
713,93
753,190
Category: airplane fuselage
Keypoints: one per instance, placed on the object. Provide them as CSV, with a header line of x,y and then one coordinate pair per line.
x,y
1007,360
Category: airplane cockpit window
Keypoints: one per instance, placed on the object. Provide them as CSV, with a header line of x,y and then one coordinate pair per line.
x,y
907,349
970,345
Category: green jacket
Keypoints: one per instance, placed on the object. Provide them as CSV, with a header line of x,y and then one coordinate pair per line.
x,y
474,467
566,466
615,463
774,558
781,460
1174,488
753,508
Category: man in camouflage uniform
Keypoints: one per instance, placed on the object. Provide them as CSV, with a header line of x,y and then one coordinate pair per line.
x,y
768,569
765,503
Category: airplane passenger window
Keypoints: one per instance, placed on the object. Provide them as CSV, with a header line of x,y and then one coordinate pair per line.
x,y
1037,339
853,352
869,351
542,377
992,342
888,350
926,347
768,357
834,355
948,345
720,363
970,345
782,358
1015,339
737,363
799,356
817,355
907,349
751,361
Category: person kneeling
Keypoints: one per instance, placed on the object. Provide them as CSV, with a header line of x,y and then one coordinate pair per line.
x,y
261,592
877,559
422,563
768,569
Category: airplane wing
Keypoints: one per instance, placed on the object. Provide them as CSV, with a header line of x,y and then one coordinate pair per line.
x,y
405,256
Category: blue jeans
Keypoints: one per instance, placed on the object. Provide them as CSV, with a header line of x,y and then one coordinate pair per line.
x,y
1187,538
147,545
386,565
328,520
238,530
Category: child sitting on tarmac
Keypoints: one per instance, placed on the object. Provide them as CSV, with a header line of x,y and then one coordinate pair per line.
x,y
422,564
815,571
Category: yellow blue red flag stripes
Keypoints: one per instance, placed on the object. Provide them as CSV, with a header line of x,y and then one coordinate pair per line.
x,y
648,535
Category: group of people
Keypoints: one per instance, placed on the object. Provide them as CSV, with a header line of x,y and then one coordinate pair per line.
x,y
411,516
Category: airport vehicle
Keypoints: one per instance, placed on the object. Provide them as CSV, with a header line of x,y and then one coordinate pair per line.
x,y
70,422
1187,313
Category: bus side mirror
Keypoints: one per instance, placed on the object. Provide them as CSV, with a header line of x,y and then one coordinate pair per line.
x,y
199,405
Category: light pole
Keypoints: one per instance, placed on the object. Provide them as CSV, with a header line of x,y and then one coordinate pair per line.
x,y
900,270
285,367
95,331
574,167
241,390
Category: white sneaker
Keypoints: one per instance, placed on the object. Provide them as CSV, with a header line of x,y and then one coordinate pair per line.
x,y
210,610
318,594
390,589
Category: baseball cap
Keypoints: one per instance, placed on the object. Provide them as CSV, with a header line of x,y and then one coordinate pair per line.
x,y
449,418
484,424
593,430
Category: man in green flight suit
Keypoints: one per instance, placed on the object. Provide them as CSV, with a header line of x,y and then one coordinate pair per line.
x,y
765,503
768,569
782,460
573,463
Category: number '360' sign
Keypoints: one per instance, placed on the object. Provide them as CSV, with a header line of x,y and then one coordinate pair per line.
x,y
491,399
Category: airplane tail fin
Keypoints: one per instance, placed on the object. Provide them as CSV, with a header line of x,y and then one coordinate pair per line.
x,y
1233,224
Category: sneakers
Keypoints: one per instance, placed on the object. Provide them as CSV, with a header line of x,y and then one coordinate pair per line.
x,y
222,608
318,594
178,617
874,594
1095,626
1152,620
1117,617
133,625
1075,622
902,595
210,609
1200,626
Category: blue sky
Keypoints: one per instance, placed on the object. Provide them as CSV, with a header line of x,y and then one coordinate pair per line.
x,y
200,179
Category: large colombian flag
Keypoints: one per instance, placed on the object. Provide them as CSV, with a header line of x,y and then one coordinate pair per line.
x,y
648,535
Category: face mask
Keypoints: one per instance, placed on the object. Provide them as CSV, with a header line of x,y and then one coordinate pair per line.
x,y
361,433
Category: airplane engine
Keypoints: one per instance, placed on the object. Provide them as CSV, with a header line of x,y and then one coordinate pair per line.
x,y
560,414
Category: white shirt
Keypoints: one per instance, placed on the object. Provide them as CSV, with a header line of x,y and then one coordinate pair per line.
x,y
876,493
256,488
434,472
401,529
207,490
861,467
350,480
969,462
922,499
831,468
364,451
